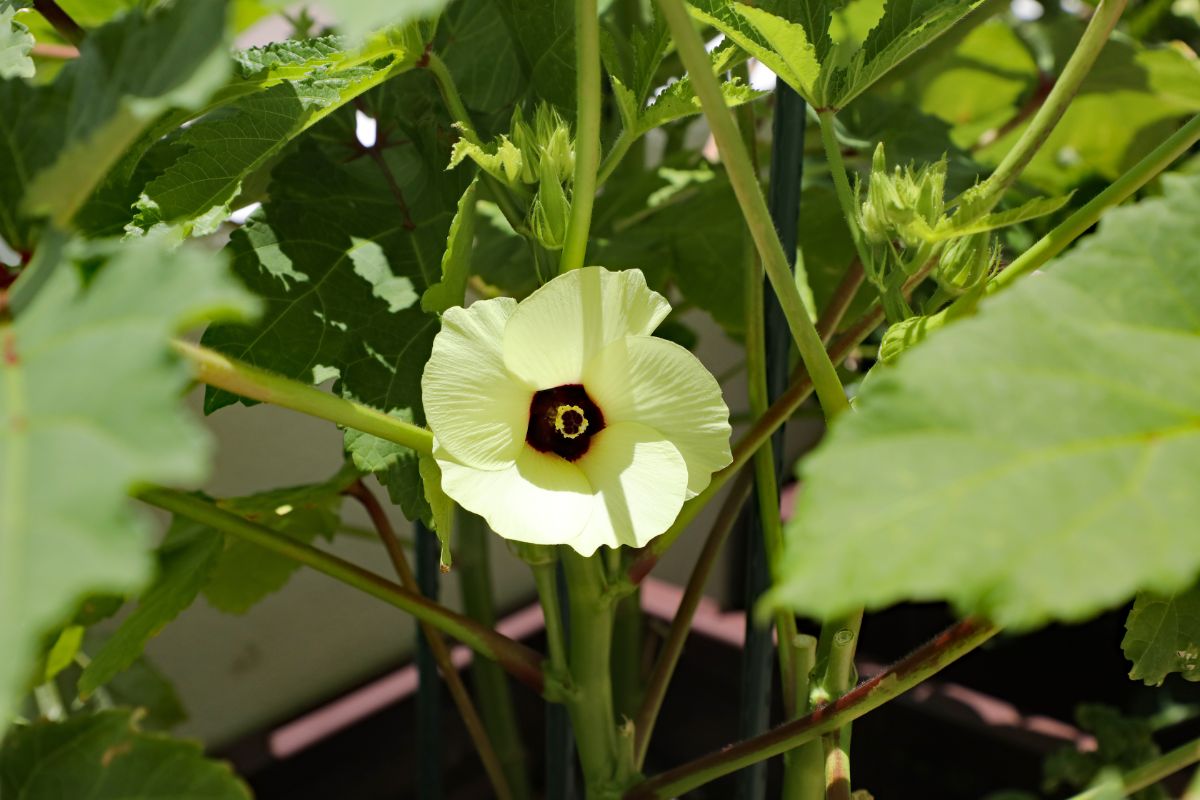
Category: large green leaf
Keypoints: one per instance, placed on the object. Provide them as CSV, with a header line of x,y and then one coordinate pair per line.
x,y
906,27
128,73
231,144
342,252
243,573
1032,463
105,756
184,563
1162,635
69,451
481,54
544,31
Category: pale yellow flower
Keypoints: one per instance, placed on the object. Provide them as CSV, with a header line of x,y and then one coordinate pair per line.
x,y
561,420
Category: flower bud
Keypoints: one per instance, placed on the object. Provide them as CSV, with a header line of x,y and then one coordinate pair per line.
x,y
551,209
965,263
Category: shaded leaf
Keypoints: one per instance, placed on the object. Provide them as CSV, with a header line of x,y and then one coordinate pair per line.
x,y
184,563
1069,502
456,261
105,756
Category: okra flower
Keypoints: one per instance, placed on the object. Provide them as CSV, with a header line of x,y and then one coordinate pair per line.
x,y
561,420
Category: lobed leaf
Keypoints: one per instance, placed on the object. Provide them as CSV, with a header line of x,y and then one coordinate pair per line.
x,y
69,453
1069,502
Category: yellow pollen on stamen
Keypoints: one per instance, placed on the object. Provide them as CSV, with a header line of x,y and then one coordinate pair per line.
x,y
560,422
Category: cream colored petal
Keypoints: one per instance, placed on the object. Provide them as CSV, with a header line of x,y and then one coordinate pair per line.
x,y
477,410
658,383
541,499
557,329
639,479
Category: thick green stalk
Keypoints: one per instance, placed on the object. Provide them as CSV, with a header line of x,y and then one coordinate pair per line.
x,y
215,369
1085,217
628,638
589,656
1149,774
841,184
520,661
587,133
754,206
923,663
1095,36
473,565
803,767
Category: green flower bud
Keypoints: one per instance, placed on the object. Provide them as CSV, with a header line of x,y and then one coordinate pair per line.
x,y
551,209
965,263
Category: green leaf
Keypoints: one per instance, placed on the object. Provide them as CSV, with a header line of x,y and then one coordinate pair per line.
x,y
456,261
906,27
127,74
1122,744
184,563
1162,635
243,573
1072,499
143,687
342,252
481,54
105,756
1037,207
63,651
544,31
231,144
291,58
786,36
15,44
679,100
70,453
789,43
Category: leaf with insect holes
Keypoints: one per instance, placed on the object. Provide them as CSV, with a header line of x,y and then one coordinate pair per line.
x,y
1031,463
1162,636
69,453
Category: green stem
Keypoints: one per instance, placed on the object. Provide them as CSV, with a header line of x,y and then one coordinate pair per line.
x,y
49,701
628,636
215,369
1149,774
547,589
453,100
612,160
1085,217
450,96
803,767
837,765
754,207
672,649
926,661
1095,36
589,700
841,184
520,661
587,133
437,645
1193,790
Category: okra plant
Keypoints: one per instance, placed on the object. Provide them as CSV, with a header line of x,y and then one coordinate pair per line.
x,y
965,236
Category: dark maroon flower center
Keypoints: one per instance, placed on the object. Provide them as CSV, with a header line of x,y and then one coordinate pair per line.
x,y
563,421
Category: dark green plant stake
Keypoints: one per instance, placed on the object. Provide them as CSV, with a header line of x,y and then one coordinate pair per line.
x,y
429,690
